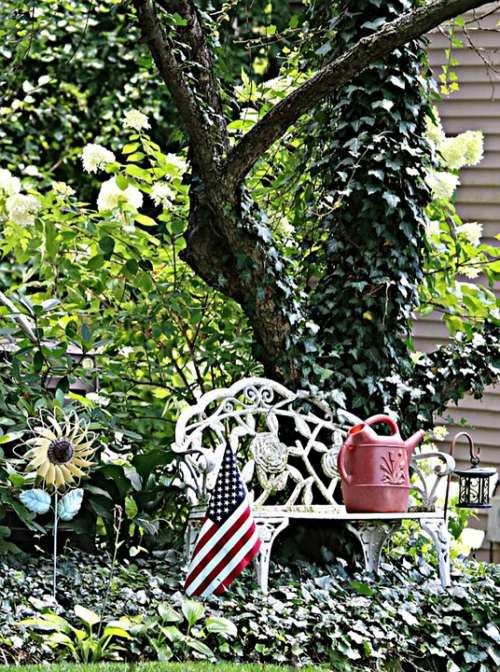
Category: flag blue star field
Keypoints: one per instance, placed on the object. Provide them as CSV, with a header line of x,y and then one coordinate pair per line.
x,y
228,539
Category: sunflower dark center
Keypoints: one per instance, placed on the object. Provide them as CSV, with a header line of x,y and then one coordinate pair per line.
x,y
60,451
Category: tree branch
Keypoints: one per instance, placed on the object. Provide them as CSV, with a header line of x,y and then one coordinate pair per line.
x,y
185,64
335,75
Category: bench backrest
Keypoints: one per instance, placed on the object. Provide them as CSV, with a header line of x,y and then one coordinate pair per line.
x,y
286,443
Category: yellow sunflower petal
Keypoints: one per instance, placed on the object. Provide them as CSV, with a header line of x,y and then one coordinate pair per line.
x,y
38,441
75,470
84,454
44,468
57,427
59,476
37,451
68,476
80,462
50,476
73,428
37,461
82,446
45,433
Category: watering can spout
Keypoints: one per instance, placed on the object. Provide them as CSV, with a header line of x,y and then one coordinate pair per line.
x,y
412,442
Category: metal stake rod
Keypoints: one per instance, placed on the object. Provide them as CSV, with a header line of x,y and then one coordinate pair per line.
x,y
54,577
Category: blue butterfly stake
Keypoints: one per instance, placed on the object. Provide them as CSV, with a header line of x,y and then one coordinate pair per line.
x,y
65,508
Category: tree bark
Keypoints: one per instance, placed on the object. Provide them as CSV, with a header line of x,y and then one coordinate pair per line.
x,y
228,243
335,75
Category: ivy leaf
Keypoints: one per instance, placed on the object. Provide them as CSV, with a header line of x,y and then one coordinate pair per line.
x,y
392,199
36,500
385,103
70,504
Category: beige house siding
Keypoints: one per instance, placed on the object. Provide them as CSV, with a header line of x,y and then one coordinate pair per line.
x,y
475,106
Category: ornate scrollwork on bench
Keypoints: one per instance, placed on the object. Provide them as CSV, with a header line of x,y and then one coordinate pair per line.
x,y
282,446
426,485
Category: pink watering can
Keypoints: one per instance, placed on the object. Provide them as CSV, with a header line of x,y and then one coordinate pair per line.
x,y
375,469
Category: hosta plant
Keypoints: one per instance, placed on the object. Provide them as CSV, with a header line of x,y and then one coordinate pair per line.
x,y
173,635
94,642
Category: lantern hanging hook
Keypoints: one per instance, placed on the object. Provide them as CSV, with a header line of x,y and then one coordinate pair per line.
x,y
474,451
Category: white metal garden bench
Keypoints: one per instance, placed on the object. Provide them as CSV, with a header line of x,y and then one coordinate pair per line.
x,y
287,445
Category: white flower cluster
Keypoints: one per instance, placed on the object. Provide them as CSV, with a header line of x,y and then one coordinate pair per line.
x,y
110,196
442,184
62,189
472,231
465,149
178,162
470,272
136,120
22,208
162,194
95,157
8,183
440,432
433,228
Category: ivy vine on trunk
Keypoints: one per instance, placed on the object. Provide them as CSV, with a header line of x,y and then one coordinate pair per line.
x,y
347,338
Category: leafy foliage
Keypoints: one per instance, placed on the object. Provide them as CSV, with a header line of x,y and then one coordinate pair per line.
x,y
157,333
313,615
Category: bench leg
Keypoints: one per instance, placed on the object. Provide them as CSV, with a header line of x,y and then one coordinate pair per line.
x,y
372,538
190,537
438,531
267,530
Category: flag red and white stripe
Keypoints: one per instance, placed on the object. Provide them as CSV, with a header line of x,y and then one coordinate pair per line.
x,y
228,539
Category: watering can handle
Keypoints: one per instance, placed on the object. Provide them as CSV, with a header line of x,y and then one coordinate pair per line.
x,y
341,465
386,420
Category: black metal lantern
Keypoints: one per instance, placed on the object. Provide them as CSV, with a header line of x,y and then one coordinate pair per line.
x,y
473,481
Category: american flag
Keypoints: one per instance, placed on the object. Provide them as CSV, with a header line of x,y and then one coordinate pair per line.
x,y
228,539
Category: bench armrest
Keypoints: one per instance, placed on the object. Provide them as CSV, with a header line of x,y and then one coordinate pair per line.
x,y
429,482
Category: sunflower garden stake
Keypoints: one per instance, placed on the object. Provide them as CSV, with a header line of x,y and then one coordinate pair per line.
x,y
58,453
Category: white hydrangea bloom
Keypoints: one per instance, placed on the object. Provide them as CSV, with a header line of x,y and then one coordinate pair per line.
x,y
177,161
474,147
62,189
110,196
32,171
465,149
416,356
95,157
22,208
453,152
136,120
434,131
98,399
472,231
442,184
440,432
470,272
433,228
8,183
162,194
